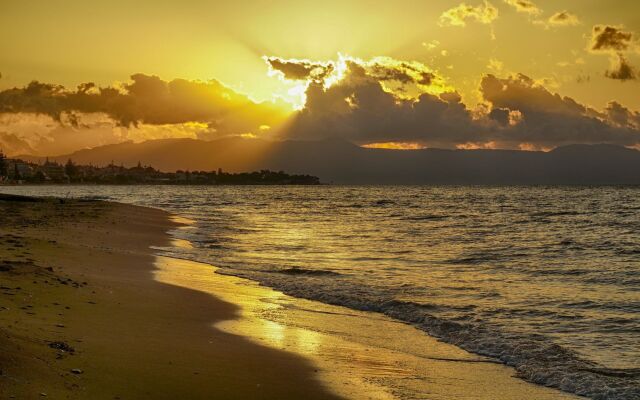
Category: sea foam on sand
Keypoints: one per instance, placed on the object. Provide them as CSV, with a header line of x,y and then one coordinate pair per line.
x,y
358,355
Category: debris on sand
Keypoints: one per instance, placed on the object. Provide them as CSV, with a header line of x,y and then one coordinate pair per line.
x,y
62,346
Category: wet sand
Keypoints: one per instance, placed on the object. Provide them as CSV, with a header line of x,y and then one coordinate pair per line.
x,y
358,355
88,311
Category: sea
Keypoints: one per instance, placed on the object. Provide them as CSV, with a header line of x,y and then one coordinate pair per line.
x,y
544,279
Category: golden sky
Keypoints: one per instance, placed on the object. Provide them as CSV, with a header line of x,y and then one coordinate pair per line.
x,y
73,41
550,41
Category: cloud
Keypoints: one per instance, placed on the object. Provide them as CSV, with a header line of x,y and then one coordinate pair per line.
x,y
403,72
518,112
495,65
560,18
26,133
358,108
622,70
403,78
605,38
380,101
43,118
145,99
621,116
548,119
563,18
614,41
431,45
299,69
485,13
524,6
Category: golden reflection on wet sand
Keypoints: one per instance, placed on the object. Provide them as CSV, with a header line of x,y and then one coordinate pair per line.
x,y
358,355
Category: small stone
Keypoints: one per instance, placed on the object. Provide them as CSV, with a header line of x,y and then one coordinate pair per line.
x,y
77,371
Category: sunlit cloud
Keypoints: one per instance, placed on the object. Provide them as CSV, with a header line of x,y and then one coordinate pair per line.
x,y
495,65
524,6
405,79
563,18
431,45
295,69
395,146
42,118
484,13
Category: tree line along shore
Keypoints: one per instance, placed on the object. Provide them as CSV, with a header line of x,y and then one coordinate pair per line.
x,y
16,171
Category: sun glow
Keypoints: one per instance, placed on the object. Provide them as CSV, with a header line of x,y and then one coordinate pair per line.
x,y
406,80
328,73
395,146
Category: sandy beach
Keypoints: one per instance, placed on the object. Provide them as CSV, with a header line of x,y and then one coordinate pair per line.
x,y
88,310
82,317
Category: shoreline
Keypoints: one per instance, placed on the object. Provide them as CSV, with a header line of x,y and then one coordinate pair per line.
x,y
82,316
169,314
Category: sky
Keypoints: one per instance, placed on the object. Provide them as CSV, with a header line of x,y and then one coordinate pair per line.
x,y
584,50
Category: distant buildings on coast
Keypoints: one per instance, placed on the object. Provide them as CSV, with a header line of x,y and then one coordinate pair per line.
x,y
15,171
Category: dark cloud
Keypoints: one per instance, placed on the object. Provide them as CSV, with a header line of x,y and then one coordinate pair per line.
x,y
500,115
521,93
383,69
402,72
524,6
145,99
615,41
621,116
605,38
300,69
358,108
548,119
381,100
519,112
623,71
563,18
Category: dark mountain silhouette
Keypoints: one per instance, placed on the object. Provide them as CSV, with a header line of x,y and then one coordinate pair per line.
x,y
342,162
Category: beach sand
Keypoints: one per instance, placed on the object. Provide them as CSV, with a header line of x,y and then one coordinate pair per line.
x,y
88,311
132,336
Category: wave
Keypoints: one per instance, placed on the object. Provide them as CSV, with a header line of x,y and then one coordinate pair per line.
x,y
427,217
534,356
555,213
307,272
480,258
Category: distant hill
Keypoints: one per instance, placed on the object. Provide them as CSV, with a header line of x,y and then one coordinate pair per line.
x,y
342,162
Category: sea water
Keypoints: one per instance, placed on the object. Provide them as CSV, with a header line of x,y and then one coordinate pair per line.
x,y
546,279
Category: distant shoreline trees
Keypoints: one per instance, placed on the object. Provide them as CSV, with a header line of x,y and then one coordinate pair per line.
x,y
71,173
